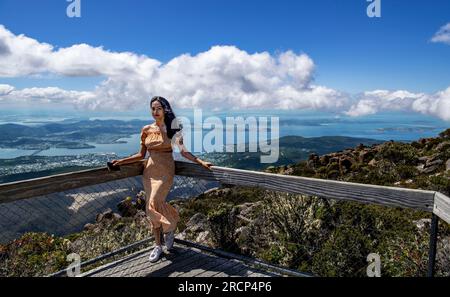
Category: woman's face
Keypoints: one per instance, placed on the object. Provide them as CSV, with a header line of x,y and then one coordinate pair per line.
x,y
157,111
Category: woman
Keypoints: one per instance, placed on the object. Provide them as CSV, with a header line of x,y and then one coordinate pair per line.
x,y
159,171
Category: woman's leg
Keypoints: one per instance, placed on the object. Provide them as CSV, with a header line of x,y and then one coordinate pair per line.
x,y
150,208
157,235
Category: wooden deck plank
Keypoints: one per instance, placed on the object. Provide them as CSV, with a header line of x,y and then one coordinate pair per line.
x,y
205,267
215,268
219,270
235,270
181,261
194,264
199,267
179,265
140,266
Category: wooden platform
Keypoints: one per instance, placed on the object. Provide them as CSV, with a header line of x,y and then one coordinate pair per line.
x,y
181,261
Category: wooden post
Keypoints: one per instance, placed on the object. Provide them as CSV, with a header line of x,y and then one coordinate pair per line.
x,y
433,244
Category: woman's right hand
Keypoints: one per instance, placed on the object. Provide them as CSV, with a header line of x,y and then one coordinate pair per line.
x,y
115,162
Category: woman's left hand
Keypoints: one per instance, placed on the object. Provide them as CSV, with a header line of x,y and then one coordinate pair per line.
x,y
206,164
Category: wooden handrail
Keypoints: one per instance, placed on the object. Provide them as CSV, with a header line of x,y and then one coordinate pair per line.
x,y
430,201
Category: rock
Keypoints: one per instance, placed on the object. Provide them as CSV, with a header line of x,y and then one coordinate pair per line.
x,y
203,237
430,169
289,171
348,152
345,163
432,163
198,222
447,165
313,160
333,174
197,229
422,223
333,160
365,156
445,134
313,156
241,232
88,227
140,214
443,146
246,209
270,169
126,207
360,147
423,159
106,215
324,160
373,163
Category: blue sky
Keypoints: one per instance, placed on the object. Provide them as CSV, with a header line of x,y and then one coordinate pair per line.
x,y
351,52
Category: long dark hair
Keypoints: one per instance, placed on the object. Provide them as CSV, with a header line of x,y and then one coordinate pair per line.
x,y
169,116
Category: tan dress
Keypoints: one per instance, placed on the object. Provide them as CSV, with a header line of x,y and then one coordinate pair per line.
x,y
158,177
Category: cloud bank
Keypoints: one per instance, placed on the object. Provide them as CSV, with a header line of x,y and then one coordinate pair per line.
x,y
443,35
221,78
382,100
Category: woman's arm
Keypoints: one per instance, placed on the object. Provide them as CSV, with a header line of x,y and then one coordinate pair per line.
x,y
136,157
187,154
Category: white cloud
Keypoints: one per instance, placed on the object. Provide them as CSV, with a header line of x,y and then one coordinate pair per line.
x,y
443,35
223,77
381,100
220,78
5,89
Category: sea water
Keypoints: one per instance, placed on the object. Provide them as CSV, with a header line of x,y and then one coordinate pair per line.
x,y
398,126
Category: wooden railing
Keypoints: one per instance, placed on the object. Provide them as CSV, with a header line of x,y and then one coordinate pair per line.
x,y
430,201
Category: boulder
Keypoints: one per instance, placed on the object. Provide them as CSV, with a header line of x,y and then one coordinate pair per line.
x,y
373,163
360,147
345,163
423,159
443,146
88,227
434,162
106,215
197,222
422,224
365,156
197,229
324,160
127,207
428,169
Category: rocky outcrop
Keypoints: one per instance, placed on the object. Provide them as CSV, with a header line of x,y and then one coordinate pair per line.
x,y
197,229
391,162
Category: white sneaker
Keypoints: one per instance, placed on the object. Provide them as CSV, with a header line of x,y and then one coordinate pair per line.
x,y
168,239
155,254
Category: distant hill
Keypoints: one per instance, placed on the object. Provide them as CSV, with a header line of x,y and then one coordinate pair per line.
x,y
292,150
70,135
